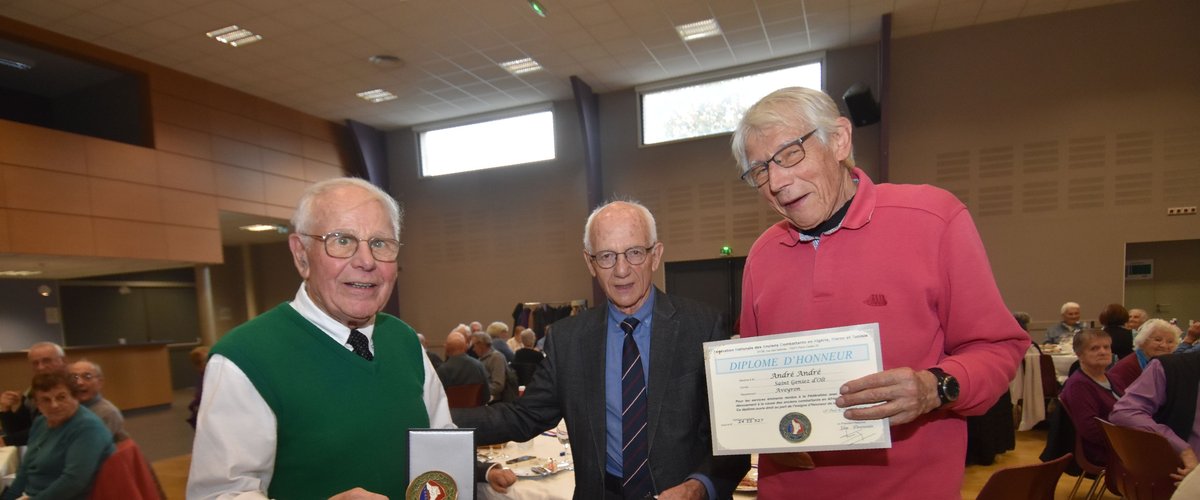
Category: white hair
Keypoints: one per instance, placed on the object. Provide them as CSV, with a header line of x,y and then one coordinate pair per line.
x,y
1068,305
795,108
646,215
1155,325
57,348
302,219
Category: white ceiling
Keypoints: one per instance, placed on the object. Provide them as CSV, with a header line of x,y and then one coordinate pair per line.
x,y
314,53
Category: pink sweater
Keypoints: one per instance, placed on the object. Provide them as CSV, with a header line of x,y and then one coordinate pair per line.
x,y
909,258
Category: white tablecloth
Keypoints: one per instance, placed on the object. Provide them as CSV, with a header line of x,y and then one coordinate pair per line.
x,y
1027,385
9,459
556,486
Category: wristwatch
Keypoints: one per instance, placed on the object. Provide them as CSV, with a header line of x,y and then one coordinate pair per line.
x,y
947,385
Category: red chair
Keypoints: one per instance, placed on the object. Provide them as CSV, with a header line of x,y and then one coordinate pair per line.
x,y
1031,482
464,396
1147,461
1050,385
125,475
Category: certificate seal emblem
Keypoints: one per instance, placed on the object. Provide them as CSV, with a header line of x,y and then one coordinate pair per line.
x,y
432,485
795,427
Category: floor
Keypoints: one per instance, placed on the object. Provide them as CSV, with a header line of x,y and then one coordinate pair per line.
x,y
166,440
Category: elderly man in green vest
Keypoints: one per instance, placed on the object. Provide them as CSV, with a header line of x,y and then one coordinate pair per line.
x,y
314,398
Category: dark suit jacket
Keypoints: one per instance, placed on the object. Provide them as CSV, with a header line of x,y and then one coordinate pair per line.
x,y
570,384
462,370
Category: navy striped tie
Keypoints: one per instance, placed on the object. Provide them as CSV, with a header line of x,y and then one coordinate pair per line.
x,y
635,445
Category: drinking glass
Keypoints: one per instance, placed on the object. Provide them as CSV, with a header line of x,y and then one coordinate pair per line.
x,y
563,438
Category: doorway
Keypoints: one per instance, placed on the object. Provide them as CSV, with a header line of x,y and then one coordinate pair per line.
x,y
713,282
1163,277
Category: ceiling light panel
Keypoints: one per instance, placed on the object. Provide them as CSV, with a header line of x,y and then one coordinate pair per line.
x,y
376,95
698,30
521,66
234,36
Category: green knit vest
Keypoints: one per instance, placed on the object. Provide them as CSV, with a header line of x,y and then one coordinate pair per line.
x,y
342,421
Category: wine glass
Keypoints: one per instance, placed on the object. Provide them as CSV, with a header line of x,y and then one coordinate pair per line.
x,y
563,437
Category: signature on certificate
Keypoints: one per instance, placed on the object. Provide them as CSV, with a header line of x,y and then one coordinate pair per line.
x,y
858,432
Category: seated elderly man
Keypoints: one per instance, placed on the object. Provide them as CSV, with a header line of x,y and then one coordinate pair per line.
x,y
17,410
493,362
1068,326
87,379
499,333
1136,318
460,369
1191,341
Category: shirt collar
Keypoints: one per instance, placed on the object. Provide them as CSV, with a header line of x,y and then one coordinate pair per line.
x,y
643,314
308,309
858,216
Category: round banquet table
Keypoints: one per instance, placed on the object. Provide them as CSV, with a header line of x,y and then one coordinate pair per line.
x,y
560,485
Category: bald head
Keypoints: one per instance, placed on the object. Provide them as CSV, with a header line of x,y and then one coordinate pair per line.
x,y
456,344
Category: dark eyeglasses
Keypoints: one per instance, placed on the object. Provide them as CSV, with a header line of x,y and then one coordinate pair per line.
x,y
787,157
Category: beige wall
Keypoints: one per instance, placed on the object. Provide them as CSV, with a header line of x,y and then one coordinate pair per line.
x,y
476,244
214,149
1067,135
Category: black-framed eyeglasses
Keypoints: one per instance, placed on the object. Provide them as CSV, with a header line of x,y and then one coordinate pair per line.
x,y
787,157
342,246
633,255
84,376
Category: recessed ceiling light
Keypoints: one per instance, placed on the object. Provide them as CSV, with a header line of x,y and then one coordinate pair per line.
x,y
19,273
386,61
233,35
519,66
538,8
377,95
698,30
260,227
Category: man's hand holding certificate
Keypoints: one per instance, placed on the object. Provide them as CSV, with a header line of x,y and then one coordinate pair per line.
x,y
778,393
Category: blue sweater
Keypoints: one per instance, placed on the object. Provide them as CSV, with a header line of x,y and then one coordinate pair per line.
x,y
61,462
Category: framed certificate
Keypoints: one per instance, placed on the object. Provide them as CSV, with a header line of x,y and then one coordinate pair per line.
x,y
776,393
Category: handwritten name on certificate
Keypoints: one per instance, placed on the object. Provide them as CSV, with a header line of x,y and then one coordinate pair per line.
x,y
776,393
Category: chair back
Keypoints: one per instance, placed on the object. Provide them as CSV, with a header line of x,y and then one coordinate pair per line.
x,y
464,396
125,475
1081,457
1032,482
524,372
1050,385
1147,461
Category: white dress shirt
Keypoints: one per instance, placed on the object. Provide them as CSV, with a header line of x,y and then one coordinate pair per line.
x,y
233,455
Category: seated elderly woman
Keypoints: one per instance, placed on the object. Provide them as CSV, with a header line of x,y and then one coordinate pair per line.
x,y
1088,393
1154,339
67,445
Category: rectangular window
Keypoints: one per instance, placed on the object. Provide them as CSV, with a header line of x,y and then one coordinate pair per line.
x,y
524,138
703,106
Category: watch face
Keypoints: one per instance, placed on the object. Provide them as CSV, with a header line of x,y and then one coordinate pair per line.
x,y
951,388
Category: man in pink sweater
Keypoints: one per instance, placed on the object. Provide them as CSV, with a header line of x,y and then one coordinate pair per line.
x,y
850,252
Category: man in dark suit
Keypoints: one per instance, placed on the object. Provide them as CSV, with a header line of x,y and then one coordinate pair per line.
x,y
637,413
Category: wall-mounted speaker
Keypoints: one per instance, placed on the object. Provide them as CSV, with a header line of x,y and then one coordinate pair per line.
x,y
861,105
